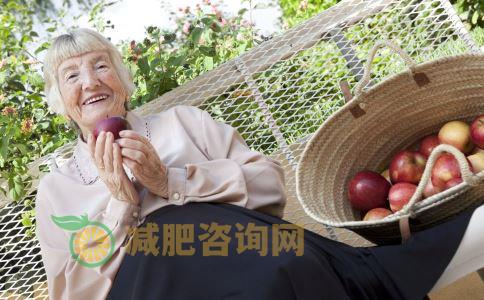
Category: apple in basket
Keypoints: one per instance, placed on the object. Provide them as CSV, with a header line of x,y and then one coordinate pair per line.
x,y
477,161
407,166
477,131
400,194
446,168
428,144
377,214
368,190
431,190
112,124
457,134
453,182
477,150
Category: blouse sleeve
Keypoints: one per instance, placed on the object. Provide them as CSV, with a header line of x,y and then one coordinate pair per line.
x,y
66,277
233,174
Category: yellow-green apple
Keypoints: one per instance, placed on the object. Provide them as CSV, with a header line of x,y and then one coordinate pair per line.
x,y
428,144
377,214
368,190
477,161
457,134
407,166
400,194
477,131
112,124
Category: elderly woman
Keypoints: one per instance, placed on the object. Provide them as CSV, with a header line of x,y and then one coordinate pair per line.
x,y
178,179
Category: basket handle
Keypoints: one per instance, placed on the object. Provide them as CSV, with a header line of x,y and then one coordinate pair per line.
x,y
465,170
371,56
467,176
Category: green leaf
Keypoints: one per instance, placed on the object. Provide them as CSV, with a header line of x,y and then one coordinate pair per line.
x,y
207,21
42,47
209,51
144,66
4,145
242,11
71,223
475,16
196,34
208,62
176,60
26,220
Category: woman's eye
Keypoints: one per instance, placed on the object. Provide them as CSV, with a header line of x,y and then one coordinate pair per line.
x,y
71,76
102,66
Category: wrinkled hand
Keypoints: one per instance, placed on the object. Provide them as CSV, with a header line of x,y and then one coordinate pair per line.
x,y
143,160
107,157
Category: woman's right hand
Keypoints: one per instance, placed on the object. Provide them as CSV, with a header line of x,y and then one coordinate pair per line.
x,y
107,157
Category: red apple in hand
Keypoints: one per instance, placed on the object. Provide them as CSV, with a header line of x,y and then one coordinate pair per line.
x,y
367,190
377,214
445,169
400,194
457,134
428,144
113,125
477,131
407,166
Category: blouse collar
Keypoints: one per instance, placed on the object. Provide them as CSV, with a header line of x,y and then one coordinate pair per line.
x,y
85,165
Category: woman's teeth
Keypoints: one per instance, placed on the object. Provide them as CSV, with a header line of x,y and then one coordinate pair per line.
x,y
95,99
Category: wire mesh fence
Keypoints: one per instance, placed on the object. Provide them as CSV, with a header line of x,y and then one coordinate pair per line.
x,y
276,95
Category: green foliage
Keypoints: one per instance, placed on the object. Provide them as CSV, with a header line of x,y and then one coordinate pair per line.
x,y
203,39
470,11
28,129
296,11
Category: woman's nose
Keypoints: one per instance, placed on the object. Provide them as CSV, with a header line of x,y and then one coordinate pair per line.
x,y
90,80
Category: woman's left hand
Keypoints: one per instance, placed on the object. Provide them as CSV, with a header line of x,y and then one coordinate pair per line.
x,y
141,157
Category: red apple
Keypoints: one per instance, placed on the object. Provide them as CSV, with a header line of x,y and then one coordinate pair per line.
x,y
377,214
400,194
477,131
457,134
453,182
407,166
445,169
368,190
477,161
112,124
428,144
431,190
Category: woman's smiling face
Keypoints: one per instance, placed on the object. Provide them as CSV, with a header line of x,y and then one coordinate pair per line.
x,y
91,89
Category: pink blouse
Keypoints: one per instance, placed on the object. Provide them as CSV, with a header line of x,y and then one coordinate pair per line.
x,y
206,160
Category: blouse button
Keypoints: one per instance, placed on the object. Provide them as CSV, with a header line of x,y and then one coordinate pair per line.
x,y
176,196
135,214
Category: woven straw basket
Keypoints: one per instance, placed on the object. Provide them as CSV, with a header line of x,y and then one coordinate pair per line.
x,y
375,124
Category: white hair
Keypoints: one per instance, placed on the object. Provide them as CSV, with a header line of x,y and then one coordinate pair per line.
x,y
75,43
